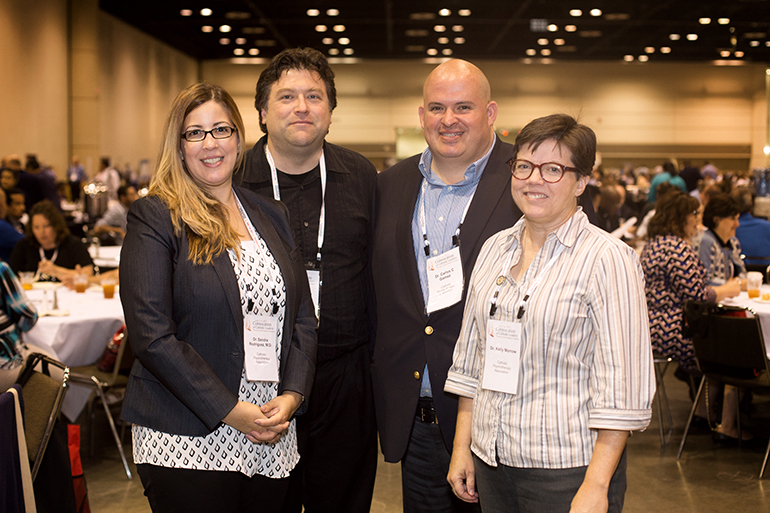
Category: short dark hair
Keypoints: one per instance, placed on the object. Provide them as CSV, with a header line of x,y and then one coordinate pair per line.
x,y
47,209
307,59
745,198
12,192
721,206
671,211
123,190
567,132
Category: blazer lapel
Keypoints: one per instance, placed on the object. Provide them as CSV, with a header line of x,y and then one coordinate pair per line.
x,y
410,194
224,270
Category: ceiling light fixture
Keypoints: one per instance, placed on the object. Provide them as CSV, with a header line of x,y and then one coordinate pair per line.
x,y
348,51
464,12
674,37
206,12
558,42
253,51
240,41
665,49
327,40
754,43
570,28
459,40
628,58
225,28
343,41
443,40
542,41
545,52
738,54
531,52
239,51
595,12
446,51
186,12
724,53
313,12
207,29
440,28
224,41
704,21
692,37
444,12
457,28
339,28
643,58
649,49
334,51
575,13
432,51
332,12
552,28
321,28
723,21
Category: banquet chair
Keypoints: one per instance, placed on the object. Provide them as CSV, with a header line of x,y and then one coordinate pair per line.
x,y
729,348
16,481
43,397
661,364
102,382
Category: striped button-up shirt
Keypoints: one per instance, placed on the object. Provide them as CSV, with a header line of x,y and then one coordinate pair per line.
x,y
586,361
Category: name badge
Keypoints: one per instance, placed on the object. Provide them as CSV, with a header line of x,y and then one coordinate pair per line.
x,y
260,342
501,360
314,280
445,280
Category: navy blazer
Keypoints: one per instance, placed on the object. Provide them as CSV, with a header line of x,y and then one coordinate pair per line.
x,y
185,321
407,337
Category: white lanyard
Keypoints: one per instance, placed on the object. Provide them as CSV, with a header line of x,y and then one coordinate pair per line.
x,y
277,195
53,257
456,236
254,237
507,268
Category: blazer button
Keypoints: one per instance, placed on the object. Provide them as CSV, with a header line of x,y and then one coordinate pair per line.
x,y
416,375
429,330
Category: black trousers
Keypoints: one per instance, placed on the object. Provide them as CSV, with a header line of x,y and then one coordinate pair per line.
x,y
337,439
176,490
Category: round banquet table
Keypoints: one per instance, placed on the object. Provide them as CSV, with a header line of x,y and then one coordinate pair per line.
x,y
762,308
75,334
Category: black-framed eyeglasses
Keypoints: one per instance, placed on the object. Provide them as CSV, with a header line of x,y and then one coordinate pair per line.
x,y
219,132
551,172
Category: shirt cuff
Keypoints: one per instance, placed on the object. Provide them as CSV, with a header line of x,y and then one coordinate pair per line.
x,y
621,420
461,384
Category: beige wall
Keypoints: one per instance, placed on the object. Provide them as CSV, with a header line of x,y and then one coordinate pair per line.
x,y
123,82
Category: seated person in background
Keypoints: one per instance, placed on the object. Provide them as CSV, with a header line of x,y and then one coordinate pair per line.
x,y
753,233
49,248
8,178
673,274
669,174
115,218
17,209
719,250
17,314
609,205
8,236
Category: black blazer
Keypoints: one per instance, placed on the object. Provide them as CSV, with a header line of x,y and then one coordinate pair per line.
x,y
185,321
407,337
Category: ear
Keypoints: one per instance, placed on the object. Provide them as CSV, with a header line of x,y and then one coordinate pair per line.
x,y
581,185
263,116
491,112
420,112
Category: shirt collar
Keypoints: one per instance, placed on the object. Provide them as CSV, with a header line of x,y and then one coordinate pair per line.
x,y
566,234
263,171
472,173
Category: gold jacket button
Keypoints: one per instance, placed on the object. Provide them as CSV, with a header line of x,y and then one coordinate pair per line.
x,y
429,330
416,375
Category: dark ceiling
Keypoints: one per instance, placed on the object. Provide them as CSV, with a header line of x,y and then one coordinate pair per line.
x,y
656,31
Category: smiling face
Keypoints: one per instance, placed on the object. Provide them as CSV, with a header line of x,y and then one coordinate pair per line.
x,y
547,205
44,232
210,162
297,115
692,224
457,116
726,226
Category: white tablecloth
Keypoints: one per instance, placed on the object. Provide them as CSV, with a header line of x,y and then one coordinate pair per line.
x,y
78,338
762,308
106,257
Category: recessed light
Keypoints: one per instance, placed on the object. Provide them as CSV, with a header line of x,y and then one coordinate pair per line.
x,y
339,28
674,37
207,29
461,40
558,42
665,49
225,28
186,12
327,40
545,51
595,12
643,58
628,58
321,28
575,13
446,51
313,12
552,28
542,41
457,28
416,33
239,51
240,41
464,12
332,12
724,53
704,21
754,43
422,16
206,11
738,54
224,41
344,41
649,49
432,51
531,52
570,28
440,28
692,37
723,21
253,51
348,51
334,51
444,12
443,40
767,43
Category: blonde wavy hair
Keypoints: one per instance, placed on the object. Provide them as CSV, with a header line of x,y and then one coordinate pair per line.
x,y
192,208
